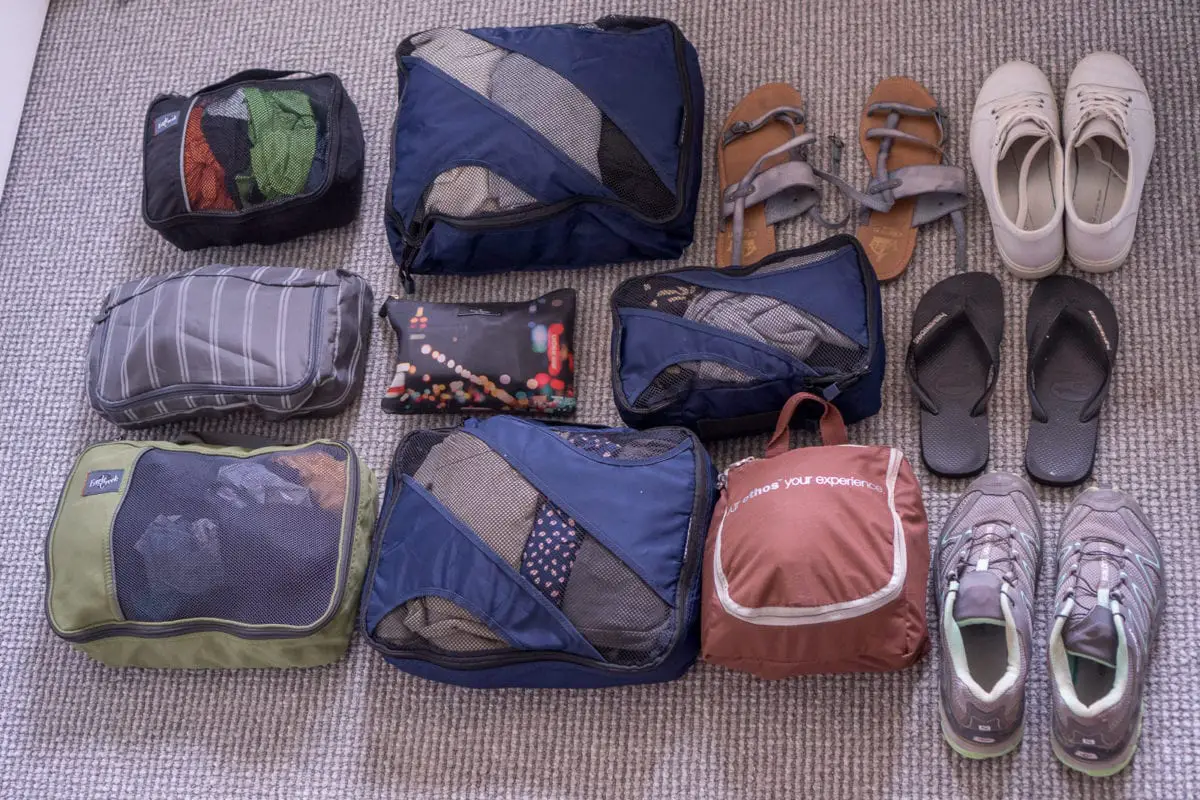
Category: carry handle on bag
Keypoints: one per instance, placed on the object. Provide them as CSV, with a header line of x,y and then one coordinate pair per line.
x,y
832,426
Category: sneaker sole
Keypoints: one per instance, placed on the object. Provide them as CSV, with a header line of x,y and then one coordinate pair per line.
x,y
1094,769
975,750
1101,267
1032,273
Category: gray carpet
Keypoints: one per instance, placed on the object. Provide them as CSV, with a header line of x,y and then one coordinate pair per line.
x,y
70,228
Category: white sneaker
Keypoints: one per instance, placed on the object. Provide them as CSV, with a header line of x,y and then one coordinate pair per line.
x,y
1019,165
1110,140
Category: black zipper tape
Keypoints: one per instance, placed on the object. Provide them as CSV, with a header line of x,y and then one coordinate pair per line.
x,y
333,135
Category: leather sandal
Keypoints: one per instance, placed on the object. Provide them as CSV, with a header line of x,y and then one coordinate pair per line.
x,y
765,176
901,133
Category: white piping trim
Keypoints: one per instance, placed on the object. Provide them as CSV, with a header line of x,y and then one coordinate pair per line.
x,y
813,615
187,202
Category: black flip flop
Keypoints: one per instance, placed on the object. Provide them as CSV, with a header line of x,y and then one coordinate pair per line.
x,y
952,364
1072,335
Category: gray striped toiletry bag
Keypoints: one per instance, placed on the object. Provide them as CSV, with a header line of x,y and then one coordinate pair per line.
x,y
286,342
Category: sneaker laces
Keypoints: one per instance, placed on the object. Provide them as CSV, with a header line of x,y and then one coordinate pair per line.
x,y
1018,108
1105,103
998,536
1102,102
1091,549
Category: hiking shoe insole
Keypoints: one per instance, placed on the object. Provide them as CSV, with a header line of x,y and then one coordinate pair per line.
x,y
1072,335
952,363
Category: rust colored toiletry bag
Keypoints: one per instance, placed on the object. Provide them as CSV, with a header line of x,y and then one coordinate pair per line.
x,y
817,560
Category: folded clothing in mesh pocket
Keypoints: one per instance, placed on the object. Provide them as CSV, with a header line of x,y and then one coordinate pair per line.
x,y
264,156
196,556
483,356
721,350
283,341
542,147
517,553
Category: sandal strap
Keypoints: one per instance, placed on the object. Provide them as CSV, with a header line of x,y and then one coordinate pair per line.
x,y
896,133
786,190
758,185
793,116
965,310
906,110
1070,311
788,181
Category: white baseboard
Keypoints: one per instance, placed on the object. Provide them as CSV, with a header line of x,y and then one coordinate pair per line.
x,y
19,36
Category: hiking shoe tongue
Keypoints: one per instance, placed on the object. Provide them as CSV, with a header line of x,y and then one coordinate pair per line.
x,y
1101,126
978,599
1093,636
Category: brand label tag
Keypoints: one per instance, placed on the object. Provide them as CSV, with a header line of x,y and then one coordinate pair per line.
x,y
102,481
165,122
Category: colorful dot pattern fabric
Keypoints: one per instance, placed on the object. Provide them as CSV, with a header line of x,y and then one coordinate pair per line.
x,y
550,551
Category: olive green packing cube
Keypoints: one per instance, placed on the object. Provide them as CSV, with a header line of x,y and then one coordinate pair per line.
x,y
202,556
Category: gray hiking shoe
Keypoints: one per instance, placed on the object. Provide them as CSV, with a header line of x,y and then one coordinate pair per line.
x,y
1107,604
987,565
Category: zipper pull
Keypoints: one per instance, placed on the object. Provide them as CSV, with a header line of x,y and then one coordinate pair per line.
x,y
406,278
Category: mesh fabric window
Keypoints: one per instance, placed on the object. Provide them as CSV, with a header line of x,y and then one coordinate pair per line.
x,y
550,105
252,540
254,144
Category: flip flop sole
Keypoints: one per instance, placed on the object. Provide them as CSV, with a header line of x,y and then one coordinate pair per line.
x,y
735,160
1062,450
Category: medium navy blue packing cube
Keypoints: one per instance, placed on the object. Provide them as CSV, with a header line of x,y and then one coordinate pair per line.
x,y
544,147
720,351
512,552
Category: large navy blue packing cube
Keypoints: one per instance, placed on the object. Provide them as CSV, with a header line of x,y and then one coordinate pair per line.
x,y
544,147
512,552
721,350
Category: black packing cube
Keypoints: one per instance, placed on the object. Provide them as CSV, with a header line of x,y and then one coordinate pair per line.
x,y
262,157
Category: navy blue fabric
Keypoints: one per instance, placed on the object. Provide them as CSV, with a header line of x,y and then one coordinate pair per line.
x,y
649,536
643,511
633,76
840,289
444,125
580,236
427,551
652,341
